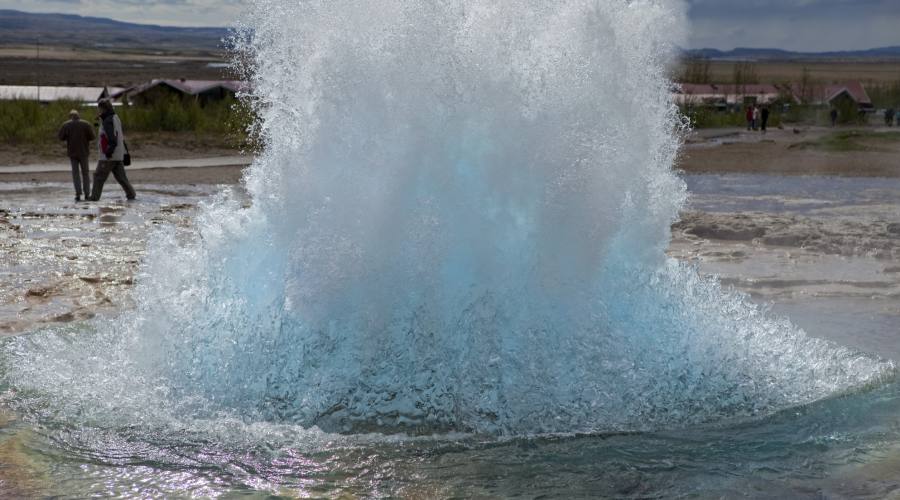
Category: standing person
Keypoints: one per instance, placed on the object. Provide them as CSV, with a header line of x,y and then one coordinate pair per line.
x,y
78,135
749,115
112,152
755,117
765,118
834,116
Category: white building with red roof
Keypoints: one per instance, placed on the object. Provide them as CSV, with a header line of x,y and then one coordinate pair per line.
x,y
827,95
728,95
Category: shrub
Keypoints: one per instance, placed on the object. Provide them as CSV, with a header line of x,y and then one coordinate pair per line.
x,y
706,117
30,123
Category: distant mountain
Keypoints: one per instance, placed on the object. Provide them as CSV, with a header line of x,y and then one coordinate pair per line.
x,y
743,53
24,28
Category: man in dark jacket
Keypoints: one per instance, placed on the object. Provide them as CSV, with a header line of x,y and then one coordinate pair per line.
x,y
112,152
78,135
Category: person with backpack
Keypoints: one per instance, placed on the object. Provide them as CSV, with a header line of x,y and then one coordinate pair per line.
x,y
112,152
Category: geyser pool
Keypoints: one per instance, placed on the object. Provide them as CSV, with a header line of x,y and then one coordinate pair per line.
x,y
458,223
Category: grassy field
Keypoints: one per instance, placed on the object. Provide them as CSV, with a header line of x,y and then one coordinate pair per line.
x,y
853,140
111,72
65,53
28,130
869,72
115,67
29,123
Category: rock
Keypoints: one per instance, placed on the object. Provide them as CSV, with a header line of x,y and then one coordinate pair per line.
x,y
714,232
40,292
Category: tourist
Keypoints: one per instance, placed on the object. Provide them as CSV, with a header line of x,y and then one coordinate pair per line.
x,y
78,135
834,116
112,152
749,116
765,118
755,117
889,117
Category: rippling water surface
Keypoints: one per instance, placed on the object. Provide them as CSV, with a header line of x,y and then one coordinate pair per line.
x,y
844,447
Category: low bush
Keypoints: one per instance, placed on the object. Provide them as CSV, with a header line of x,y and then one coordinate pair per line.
x,y
30,123
706,117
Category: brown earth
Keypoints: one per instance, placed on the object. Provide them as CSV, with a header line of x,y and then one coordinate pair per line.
x,y
779,152
76,66
193,175
789,152
877,72
155,145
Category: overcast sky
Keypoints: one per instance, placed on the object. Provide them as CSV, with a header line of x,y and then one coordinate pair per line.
x,y
807,25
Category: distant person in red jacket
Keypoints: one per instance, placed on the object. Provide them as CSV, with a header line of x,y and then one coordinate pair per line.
x,y
749,115
78,135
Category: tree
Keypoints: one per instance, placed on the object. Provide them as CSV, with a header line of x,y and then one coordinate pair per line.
x,y
695,70
744,73
805,87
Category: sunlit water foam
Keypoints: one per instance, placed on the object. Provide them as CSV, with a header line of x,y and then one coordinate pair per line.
x,y
458,224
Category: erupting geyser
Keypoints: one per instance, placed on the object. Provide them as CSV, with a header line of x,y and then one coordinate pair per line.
x,y
459,222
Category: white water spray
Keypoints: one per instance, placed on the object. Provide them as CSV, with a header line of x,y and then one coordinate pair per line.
x,y
459,222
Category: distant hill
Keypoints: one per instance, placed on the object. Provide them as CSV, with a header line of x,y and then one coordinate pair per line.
x,y
24,28
743,53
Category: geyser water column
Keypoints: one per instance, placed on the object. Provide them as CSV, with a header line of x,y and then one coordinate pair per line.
x,y
458,222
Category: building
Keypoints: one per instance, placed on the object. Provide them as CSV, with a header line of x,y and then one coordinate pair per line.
x,y
698,94
203,90
841,95
725,96
754,93
84,95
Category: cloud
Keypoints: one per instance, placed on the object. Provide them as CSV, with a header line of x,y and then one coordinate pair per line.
x,y
808,25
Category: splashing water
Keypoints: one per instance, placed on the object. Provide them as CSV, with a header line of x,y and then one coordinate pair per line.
x,y
458,223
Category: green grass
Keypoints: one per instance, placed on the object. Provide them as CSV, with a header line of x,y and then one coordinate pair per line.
x,y
704,117
885,95
28,123
851,140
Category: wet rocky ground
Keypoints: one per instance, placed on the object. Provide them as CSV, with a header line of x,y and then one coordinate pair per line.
x,y
62,261
823,251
